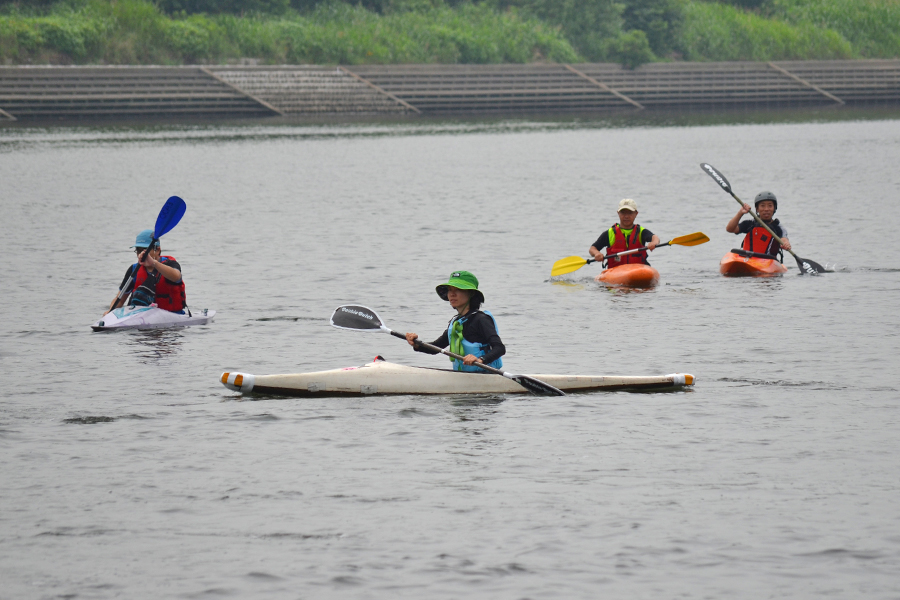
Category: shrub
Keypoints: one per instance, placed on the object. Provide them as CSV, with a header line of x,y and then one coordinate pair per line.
x,y
872,26
589,25
236,7
660,20
722,32
632,49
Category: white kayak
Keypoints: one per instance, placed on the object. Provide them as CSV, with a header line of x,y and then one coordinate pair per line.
x,y
384,378
150,317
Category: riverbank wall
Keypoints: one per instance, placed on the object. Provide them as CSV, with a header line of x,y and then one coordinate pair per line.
x,y
61,93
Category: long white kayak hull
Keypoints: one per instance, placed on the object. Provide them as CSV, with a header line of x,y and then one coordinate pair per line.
x,y
385,378
150,317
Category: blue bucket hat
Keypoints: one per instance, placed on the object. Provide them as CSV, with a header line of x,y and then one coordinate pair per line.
x,y
144,238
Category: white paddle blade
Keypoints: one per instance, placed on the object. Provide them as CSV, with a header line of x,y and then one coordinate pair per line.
x,y
717,177
356,318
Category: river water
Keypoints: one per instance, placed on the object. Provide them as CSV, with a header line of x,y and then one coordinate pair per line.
x,y
128,471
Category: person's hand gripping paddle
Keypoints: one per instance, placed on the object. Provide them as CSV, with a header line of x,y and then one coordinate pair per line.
x,y
804,264
573,263
169,216
360,318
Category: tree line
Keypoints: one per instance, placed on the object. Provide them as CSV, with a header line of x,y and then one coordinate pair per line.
x,y
628,31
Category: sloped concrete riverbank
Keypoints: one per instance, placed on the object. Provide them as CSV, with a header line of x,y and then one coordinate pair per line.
x,y
230,91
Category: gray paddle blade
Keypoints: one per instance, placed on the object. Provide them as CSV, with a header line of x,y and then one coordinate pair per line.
x,y
810,267
357,318
718,177
535,386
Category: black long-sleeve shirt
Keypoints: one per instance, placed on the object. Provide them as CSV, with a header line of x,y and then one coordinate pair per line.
x,y
152,278
477,327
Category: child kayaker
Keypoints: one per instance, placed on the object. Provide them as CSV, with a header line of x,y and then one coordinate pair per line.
x,y
756,238
156,278
471,333
625,235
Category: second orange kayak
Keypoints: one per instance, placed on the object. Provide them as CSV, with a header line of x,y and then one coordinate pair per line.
x,y
736,265
637,276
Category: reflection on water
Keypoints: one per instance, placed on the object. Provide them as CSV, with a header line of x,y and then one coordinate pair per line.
x,y
621,290
474,416
17,135
155,345
570,285
763,283
476,400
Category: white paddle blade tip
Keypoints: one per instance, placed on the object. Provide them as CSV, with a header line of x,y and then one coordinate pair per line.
x,y
717,177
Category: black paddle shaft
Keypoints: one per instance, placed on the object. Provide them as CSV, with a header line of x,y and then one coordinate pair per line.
x,y
150,247
535,386
419,342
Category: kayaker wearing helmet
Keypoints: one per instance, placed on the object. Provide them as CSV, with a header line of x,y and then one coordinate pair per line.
x,y
471,333
156,278
623,236
757,239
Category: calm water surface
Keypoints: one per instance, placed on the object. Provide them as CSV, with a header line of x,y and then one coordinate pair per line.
x,y
128,471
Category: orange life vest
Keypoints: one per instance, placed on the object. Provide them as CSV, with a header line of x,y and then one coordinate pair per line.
x,y
169,296
619,242
761,241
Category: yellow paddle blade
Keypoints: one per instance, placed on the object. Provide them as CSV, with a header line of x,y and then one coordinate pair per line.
x,y
691,239
567,265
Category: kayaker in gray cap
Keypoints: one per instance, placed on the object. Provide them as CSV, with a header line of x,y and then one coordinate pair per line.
x,y
625,235
757,239
153,279
471,333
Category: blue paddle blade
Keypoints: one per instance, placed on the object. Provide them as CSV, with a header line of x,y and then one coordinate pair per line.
x,y
168,218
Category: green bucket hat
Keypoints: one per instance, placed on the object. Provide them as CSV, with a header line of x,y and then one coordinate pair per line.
x,y
461,280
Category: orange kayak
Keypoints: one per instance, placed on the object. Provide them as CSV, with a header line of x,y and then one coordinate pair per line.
x,y
638,276
740,265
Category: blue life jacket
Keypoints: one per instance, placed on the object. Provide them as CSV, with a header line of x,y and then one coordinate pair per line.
x,y
474,348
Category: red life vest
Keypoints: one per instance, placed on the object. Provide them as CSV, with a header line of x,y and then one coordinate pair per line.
x,y
761,241
168,296
619,242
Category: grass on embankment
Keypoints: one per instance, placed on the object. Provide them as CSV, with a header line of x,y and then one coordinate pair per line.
x,y
723,32
135,32
871,26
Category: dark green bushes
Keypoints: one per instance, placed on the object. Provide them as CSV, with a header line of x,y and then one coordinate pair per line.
x,y
235,7
715,31
659,20
631,32
136,32
871,26
589,25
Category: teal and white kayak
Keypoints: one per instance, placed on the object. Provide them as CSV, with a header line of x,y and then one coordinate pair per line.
x,y
385,378
150,317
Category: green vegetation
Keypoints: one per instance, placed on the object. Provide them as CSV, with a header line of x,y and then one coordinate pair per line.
x,y
631,32
722,32
136,32
871,26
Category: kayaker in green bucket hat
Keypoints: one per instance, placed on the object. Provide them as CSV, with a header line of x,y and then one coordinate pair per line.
x,y
472,332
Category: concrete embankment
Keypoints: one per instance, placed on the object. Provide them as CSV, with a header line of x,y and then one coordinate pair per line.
x,y
229,91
